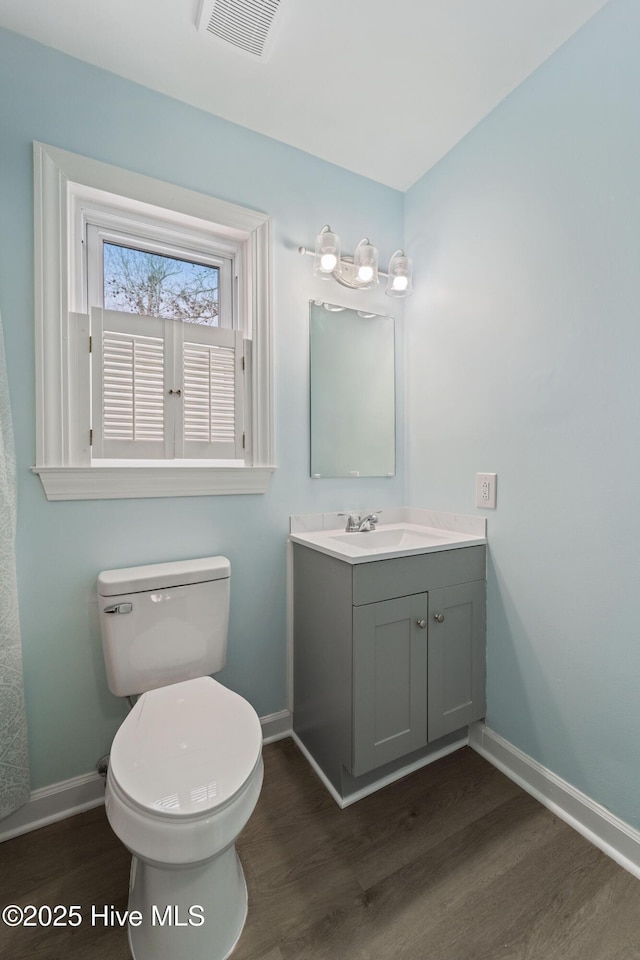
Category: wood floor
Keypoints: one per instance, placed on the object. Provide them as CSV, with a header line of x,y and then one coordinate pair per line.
x,y
453,863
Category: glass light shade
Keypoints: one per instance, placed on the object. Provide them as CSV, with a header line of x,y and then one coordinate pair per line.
x,y
327,253
365,265
399,282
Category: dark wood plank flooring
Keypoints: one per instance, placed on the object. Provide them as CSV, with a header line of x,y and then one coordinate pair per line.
x,y
454,862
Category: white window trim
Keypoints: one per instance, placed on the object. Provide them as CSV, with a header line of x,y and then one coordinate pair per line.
x,y
58,463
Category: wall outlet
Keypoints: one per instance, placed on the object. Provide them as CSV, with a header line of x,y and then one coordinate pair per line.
x,y
486,490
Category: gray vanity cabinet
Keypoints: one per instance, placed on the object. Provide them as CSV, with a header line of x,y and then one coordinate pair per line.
x,y
456,664
389,689
389,655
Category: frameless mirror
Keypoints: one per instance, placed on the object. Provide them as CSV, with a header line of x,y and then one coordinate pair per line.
x,y
353,408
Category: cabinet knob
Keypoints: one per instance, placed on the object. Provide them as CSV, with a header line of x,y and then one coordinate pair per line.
x,y
422,624
439,617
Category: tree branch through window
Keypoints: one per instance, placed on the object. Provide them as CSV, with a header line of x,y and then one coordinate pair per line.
x,y
150,284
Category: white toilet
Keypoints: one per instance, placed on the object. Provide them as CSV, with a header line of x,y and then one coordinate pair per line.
x,y
185,769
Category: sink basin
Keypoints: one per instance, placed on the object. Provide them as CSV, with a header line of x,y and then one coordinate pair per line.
x,y
384,539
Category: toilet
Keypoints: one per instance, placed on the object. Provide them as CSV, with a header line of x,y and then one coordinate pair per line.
x,y
185,768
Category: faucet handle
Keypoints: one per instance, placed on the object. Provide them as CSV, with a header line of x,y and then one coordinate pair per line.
x,y
353,521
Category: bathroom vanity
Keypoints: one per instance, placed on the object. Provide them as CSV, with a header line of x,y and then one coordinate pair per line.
x,y
389,647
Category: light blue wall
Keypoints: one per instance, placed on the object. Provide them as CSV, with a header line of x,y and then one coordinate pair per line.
x,y
49,97
523,346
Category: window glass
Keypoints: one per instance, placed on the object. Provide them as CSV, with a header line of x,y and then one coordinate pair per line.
x,y
152,284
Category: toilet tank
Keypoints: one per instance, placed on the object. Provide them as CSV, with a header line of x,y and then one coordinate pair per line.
x,y
163,623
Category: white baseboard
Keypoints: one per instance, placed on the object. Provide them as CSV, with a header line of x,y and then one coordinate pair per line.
x,y
56,802
316,769
276,726
377,784
65,799
619,840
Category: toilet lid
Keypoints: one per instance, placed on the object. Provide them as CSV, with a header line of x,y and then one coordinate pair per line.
x,y
186,748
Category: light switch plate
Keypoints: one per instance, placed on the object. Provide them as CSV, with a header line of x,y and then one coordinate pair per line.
x,y
486,490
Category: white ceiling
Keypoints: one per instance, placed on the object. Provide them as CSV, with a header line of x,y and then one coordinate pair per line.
x,y
382,87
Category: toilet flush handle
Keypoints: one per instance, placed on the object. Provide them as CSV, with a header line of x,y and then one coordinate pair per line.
x,y
119,608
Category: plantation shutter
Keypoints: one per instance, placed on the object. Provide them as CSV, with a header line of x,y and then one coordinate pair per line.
x,y
131,358
212,393
163,389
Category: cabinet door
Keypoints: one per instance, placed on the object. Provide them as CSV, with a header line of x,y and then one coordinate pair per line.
x,y
389,681
456,687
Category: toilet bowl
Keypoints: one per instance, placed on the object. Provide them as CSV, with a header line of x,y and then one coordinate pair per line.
x,y
185,774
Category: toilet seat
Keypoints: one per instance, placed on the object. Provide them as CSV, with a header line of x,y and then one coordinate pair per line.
x,y
186,751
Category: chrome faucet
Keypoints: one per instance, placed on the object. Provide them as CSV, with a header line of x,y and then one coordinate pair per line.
x,y
358,524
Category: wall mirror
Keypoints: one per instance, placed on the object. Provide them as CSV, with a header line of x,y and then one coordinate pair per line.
x,y
353,409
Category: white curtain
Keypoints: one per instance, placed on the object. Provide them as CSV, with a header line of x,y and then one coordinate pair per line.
x,y
14,765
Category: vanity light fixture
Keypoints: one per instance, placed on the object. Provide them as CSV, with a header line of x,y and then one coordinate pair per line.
x,y
359,272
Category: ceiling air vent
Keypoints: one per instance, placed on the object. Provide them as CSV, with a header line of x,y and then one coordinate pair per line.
x,y
247,25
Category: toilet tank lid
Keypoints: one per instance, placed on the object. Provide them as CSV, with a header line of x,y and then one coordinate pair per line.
x,y
157,576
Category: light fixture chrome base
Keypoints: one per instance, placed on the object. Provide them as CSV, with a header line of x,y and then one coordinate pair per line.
x,y
345,272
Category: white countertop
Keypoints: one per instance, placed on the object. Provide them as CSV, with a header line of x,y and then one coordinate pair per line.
x,y
390,540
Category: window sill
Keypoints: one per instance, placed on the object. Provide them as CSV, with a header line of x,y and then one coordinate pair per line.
x,y
130,482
